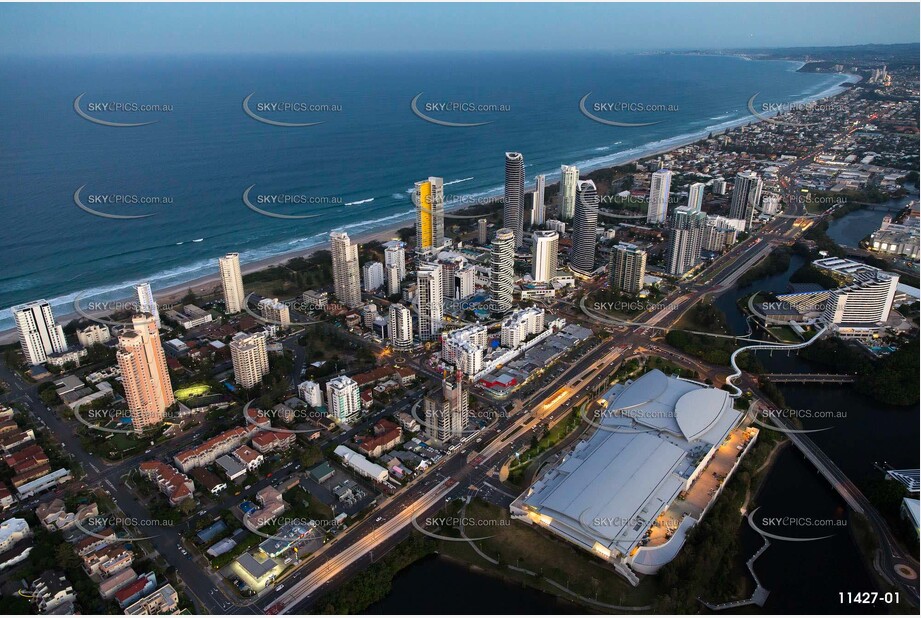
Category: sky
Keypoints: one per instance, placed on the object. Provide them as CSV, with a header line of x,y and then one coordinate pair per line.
x,y
81,29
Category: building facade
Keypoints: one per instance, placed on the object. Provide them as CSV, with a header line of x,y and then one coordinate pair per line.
x,y
39,336
250,358
585,228
346,277
231,282
145,376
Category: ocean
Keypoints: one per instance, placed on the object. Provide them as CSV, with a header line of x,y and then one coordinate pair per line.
x,y
354,170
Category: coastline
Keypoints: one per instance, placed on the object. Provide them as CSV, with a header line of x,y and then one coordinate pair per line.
x,y
208,283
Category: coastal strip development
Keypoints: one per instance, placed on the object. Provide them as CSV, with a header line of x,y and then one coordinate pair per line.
x,y
557,359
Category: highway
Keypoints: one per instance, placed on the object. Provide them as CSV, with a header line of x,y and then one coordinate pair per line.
x,y
453,476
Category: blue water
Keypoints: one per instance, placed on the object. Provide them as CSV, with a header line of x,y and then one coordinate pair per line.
x,y
206,151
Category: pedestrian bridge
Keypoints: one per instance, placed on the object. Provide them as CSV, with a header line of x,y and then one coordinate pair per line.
x,y
810,378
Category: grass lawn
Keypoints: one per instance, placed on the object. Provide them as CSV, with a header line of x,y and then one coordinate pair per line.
x,y
785,334
193,390
530,548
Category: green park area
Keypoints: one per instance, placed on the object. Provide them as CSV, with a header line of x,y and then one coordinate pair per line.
x,y
185,393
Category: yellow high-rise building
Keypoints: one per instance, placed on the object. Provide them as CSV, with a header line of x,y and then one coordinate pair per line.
x,y
429,198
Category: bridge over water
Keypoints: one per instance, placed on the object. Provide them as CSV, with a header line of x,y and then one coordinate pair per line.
x,y
811,378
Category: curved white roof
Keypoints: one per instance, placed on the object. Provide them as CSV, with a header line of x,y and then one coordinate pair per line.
x,y
646,388
698,411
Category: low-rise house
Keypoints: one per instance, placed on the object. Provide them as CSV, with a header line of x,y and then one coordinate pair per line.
x,y
255,419
173,484
10,441
98,540
6,497
17,553
387,435
272,504
160,602
248,457
27,477
12,531
268,441
137,589
54,516
209,451
51,591
208,480
109,586
108,560
49,513
43,483
231,467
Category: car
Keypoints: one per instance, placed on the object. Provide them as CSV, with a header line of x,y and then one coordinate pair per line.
x,y
379,519
279,587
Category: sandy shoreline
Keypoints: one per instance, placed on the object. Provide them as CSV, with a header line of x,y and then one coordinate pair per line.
x,y
203,285
209,283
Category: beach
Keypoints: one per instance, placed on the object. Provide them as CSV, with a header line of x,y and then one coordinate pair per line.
x,y
390,224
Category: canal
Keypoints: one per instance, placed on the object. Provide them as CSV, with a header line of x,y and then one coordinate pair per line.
x,y
803,577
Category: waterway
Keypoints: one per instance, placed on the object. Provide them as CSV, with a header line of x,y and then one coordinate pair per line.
x,y
858,433
805,577
437,585
850,229
802,577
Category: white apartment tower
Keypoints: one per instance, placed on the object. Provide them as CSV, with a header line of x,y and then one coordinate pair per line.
x,y
39,336
232,282
685,242
400,323
538,205
430,294
311,393
146,301
250,358
502,271
696,196
275,312
544,247
373,276
568,182
394,265
659,187
628,268
863,303
343,399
